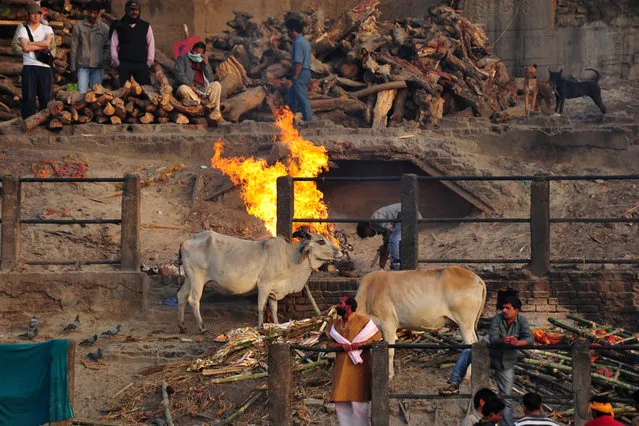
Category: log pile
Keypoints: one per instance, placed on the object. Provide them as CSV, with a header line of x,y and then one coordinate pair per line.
x,y
418,69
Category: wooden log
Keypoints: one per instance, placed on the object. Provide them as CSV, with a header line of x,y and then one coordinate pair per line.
x,y
136,89
147,118
158,74
108,110
7,86
233,108
152,94
55,124
104,99
74,114
55,107
115,119
379,88
382,106
189,111
10,68
398,105
65,117
122,92
120,112
5,116
179,118
343,104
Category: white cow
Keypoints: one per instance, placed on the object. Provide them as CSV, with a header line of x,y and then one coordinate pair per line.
x,y
424,298
273,267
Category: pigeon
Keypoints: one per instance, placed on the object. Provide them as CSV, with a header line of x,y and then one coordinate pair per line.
x,y
111,332
74,324
95,355
33,323
91,340
29,335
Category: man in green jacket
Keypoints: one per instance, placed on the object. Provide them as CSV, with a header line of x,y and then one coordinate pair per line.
x,y
89,49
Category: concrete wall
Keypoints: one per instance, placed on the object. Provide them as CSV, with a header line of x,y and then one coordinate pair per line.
x,y
551,33
607,296
111,294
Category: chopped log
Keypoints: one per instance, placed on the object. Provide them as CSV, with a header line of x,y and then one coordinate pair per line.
x,y
7,86
136,89
349,83
65,117
55,124
99,89
188,111
410,72
233,108
4,116
398,106
108,110
349,71
120,112
320,67
129,107
152,94
75,99
344,104
276,71
147,118
379,88
74,114
158,74
122,92
115,119
382,106
10,68
55,107
164,60
102,119
104,99
346,23
179,118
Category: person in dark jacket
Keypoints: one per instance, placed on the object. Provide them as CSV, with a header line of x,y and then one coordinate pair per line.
x,y
132,46
194,79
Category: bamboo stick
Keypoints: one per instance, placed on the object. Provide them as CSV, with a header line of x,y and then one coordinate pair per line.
x,y
242,409
242,377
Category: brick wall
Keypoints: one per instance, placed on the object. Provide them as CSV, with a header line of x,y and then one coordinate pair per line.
x,y
607,296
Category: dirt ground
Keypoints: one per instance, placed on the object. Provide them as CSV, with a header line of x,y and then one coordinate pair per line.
x,y
169,216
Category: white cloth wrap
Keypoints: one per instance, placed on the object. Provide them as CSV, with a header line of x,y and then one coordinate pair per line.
x,y
366,333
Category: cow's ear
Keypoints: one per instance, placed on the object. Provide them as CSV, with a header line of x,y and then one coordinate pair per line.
x,y
305,248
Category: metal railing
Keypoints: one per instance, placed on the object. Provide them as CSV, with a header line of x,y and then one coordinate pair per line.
x,y
539,219
10,247
280,380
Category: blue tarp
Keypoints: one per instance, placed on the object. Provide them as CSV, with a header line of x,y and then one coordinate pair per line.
x,y
33,383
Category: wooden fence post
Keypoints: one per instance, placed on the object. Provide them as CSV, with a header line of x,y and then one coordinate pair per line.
x,y
581,380
480,367
540,226
10,244
280,377
379,384
130,226
285,207
409,246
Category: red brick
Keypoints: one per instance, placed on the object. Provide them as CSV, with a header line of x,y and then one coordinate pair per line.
x,y
545,308
553,301
541,293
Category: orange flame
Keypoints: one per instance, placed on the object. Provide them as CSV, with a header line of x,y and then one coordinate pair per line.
x,y
258,180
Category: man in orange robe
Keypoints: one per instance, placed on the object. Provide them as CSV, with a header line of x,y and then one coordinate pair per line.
x,y
351,389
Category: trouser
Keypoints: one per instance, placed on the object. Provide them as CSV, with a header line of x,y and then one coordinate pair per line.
x,y
212,93
297,96
88,77
36,82
138,70
505,379
352,413
394,241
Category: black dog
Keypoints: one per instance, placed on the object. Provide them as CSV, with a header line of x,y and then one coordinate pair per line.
x,y
568,88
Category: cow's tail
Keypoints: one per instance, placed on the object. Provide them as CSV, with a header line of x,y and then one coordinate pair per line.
x,y
179,265
596,74
483,303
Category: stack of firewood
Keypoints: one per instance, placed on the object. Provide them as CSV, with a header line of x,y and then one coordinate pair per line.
x,y
412,69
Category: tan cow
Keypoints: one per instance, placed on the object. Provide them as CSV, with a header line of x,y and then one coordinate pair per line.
x,y
424,298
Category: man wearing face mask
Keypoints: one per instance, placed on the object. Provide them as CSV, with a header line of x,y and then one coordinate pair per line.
x,y
351,389
133,46
194,79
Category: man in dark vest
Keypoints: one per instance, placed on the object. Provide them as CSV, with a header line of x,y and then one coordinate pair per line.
x,y
133,45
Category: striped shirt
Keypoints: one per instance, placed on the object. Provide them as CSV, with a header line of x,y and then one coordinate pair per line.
x,y
535,420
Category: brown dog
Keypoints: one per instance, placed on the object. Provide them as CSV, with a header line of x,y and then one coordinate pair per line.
x,y
530,88
545,94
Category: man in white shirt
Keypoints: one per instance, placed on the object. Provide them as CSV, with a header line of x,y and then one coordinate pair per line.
x,y
36,75
532,410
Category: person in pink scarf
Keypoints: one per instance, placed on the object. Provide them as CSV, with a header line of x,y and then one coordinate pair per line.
x,y
351,390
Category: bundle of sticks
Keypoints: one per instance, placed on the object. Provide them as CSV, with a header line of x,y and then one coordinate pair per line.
x,y
385,72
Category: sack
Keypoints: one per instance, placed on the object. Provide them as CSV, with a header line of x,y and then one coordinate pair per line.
x,y
44,56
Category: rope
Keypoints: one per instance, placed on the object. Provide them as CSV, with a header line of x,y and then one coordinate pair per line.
x,y
509,24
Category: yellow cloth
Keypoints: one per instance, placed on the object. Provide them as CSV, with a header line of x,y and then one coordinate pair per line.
x,y
602,407
351,382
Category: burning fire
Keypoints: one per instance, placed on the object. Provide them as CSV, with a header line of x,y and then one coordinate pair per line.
x,y
258,180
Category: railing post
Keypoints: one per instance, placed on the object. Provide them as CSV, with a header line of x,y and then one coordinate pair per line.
x,y
481,367
285,207
379,385
409,246
280,377
581,380
130,227
11,200
540,226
